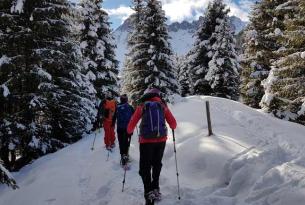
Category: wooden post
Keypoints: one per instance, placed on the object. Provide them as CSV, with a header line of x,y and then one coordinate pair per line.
x,y
209,118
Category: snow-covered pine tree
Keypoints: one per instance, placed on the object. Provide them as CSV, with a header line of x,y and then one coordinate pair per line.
x,y
54,105
285,85
183,75
98,47
200,55
6,177
260,42
57,58
135,68
223,73
162,74
149,62
15,82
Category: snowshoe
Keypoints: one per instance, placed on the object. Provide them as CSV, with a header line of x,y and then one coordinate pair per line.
x,y
158,195
126,167
124,162
108,148
150,198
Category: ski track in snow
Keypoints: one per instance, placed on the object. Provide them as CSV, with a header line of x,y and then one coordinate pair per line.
x,y
251,160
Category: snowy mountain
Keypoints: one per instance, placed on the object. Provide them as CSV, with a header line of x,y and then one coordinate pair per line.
x,y
181,35
253,159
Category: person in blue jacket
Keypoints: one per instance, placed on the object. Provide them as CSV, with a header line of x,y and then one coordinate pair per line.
x,y
123,115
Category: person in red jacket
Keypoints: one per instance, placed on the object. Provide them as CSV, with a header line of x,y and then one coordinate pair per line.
x,y
153,113
107,117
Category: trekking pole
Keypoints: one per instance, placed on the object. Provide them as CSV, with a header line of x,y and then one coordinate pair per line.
x,y
124,180
92,148
108,156
174,139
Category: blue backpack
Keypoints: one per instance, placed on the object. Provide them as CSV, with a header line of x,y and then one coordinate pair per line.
x,y
153,121
124,113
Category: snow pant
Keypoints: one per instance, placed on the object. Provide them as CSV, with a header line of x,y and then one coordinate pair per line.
x,y
109,137
151,155
124,140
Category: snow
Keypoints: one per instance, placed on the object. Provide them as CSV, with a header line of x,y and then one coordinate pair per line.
x,y
42,73
17,6
4,60
302,110
278,32
6,91
7,173
252,159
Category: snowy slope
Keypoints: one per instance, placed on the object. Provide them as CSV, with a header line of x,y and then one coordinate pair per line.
x,y
181,35
253,158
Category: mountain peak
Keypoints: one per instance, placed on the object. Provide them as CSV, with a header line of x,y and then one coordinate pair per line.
x,y
237,25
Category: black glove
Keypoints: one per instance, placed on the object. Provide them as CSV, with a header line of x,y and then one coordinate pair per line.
x,y
94,127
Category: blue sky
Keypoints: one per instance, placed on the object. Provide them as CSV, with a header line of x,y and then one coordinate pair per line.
x,y
176,10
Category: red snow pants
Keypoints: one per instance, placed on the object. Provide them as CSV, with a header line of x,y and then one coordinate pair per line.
x,y
109,137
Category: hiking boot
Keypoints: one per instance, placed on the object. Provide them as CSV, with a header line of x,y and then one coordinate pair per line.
x,y
158,195
150,198
124,160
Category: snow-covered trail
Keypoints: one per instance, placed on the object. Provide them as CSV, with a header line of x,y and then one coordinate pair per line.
x,y
252,159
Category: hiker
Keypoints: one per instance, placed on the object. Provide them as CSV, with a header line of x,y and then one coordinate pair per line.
x,y
152,138
123,114
107,110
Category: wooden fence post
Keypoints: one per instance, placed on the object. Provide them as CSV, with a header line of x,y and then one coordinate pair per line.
x,y
209,118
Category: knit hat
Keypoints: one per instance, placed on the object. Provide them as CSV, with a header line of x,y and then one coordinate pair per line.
x,y
153,91
108,94
124,98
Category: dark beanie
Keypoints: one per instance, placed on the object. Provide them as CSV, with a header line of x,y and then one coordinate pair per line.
x,y
123,98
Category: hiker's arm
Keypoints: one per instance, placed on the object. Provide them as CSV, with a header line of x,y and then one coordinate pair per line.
x,y
114,118
170,119
134,120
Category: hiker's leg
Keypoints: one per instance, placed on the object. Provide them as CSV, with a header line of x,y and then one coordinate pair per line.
x,y
124,142
107,127
121,140
112,134
158,152
145,166
128,136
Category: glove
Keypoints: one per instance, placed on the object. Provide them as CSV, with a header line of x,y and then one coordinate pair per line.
x,y
94,127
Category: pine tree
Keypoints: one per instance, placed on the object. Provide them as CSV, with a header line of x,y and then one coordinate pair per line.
x,y
160,60
260,42
285,88
134,68
183,75
47,101
223,73
56,57
150,57
98,48
200,55
15,83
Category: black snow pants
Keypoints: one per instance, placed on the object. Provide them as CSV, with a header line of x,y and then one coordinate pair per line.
x,y
151,155
124,140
